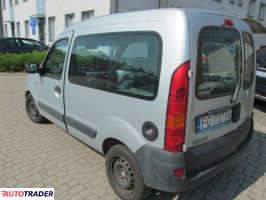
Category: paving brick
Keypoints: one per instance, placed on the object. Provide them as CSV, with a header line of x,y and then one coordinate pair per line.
x,y
33,155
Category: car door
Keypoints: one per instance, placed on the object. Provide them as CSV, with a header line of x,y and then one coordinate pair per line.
x,y
51,83
216,103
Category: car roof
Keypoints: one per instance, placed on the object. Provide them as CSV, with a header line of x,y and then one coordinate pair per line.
x,y
141,16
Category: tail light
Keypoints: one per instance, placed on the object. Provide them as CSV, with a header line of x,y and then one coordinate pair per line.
x,y
177,110
228,22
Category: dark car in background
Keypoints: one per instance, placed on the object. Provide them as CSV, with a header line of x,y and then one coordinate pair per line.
x,y
20,45
260,92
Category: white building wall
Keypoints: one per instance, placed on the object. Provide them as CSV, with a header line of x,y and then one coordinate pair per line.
x,y
222,6
60,8
23,11
129,5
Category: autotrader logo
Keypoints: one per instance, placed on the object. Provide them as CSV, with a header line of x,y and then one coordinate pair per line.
x,y
26,193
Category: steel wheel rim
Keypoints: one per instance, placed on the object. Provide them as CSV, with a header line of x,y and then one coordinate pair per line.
x,y
123,173
33,108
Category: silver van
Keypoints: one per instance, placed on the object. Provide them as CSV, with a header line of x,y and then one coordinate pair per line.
x,y
166,95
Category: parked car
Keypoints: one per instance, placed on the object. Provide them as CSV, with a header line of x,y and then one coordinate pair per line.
x,y
20,45
158,92
260,92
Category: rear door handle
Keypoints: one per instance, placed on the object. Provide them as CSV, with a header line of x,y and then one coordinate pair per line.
x,y
57,89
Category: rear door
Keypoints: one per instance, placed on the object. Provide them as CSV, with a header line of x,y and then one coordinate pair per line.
x,y
215,106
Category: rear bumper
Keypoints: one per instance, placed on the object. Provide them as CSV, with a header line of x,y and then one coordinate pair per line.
x,y
200,163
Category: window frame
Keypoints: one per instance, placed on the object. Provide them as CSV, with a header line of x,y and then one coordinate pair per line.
x,y
199,57
251,8
67,17
27,28
151,33
18,29
246,87
51,36
83,13
232,2
4,4
43,64
262,10
240,3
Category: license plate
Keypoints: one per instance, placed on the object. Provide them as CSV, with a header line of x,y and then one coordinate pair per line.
x,y
213,120
261,74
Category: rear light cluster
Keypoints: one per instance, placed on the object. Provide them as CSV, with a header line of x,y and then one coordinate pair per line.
x,y
228,22
177,110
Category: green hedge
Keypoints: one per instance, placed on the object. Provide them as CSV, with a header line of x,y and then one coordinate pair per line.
x,y
16,62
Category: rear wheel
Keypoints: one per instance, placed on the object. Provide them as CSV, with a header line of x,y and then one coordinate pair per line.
x,y
32,110
124,174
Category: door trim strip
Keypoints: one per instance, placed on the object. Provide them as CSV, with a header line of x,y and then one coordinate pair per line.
x,y
81,127
51,111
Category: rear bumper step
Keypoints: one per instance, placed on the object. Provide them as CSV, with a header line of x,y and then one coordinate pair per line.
x,y
200,163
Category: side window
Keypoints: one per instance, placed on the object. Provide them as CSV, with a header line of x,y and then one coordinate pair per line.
x,y
31,44
249,60
12,43
27,44
55,60
124,63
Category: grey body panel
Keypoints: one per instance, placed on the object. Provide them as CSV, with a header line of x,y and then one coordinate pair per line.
x,y
201,162
122,117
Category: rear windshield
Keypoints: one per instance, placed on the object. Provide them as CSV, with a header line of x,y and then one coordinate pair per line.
x,y
217,62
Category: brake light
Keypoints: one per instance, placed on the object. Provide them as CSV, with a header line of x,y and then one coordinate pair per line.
x,y
228,22
179,172
177,110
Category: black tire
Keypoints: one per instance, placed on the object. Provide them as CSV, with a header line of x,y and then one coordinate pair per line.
x,y
124,174
32,110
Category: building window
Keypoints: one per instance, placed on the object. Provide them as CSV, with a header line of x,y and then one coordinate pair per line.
x,y
69,19
16,2
262,11
51,26
87,15
240,2
25,0
218,0
251,8
232,1
6,30
10,3
27,29
18,29
4,4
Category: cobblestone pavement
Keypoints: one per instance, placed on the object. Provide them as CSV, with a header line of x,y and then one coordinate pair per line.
x,y
34,155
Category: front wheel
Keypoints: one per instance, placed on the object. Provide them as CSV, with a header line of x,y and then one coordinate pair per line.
x,y
32,110
124,174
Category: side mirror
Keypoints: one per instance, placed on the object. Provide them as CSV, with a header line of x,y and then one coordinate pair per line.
x,y
32,69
